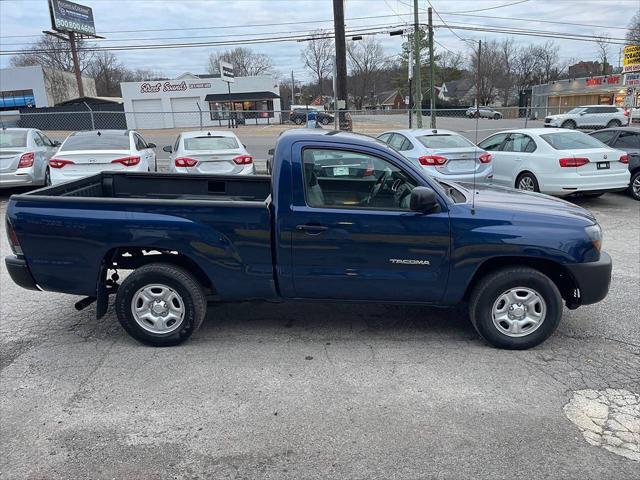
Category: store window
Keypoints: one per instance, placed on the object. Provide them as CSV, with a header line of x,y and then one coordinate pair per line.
x,y
244,109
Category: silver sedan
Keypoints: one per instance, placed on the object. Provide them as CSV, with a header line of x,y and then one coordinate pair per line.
x,y
210,152
24,154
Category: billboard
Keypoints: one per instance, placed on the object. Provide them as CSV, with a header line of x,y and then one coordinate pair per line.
x,y
70,17
226,72
631,58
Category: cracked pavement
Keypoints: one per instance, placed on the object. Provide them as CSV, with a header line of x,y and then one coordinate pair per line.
x,y
321,391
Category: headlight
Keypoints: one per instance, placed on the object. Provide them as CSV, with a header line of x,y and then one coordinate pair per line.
x,y
594,232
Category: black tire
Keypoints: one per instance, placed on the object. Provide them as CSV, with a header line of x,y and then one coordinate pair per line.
x,y
635,179
496,117
47,177
614,123
529,179
488,292
298,120
325,120
177,279
570,124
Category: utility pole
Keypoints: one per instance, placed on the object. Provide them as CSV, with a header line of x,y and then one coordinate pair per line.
x,y
416,51
341,55
432,88
293,90
76,63
479,79
410,75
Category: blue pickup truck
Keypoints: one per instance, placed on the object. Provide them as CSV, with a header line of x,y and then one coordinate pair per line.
x,y
343,217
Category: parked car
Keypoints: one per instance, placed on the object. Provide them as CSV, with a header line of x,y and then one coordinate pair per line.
x,y
589,116
556,161
89,152
210,151
24,153
299,116
483,112
396,235
443,154
626,139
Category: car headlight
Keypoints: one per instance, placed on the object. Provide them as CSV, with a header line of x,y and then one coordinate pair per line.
x,y
594,232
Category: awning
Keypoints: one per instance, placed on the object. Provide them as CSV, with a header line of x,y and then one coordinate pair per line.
x,y
240,97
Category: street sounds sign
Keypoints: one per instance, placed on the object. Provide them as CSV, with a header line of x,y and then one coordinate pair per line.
x,y
631,58
226,72
70,17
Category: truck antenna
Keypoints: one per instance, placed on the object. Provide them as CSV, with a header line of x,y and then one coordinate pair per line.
x,y
475,162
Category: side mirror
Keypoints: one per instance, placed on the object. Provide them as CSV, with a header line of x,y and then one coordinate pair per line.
x,y
423,199
56,143
168,149
582,113
271,151
151,145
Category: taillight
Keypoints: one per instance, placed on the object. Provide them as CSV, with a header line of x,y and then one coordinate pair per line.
x,y
14,243
59,163
185,162
485,158
127,161
26,160
624,158
573,162
433,160
243,160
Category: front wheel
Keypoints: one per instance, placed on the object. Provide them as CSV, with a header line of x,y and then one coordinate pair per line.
x,y
160,305
496,117
298,121
528,182
634,185
570,124
515,308
614,123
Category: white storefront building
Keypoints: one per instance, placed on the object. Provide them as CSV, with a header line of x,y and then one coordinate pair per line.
x,y
193,100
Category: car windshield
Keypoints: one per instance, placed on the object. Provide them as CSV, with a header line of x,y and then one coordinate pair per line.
x,y
575,110
444,141
96,142
13,138
571,141
210,143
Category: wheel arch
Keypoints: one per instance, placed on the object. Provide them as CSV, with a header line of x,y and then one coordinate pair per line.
x,y
558,274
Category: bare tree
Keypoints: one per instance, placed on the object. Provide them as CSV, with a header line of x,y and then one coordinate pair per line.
x,y
318,56
366,60
246,62
633,35
507,53
449,64
549,68
603,51
487,82
54,53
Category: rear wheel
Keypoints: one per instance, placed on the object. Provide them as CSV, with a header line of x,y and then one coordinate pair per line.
x,y
527,181
160,305
496,116
515,308
570,124
634,186
298,121
614,123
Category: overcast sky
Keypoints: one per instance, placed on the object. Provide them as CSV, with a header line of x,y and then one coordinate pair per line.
x,y
30,17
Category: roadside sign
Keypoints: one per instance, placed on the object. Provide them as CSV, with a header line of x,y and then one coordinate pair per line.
x,y
70,17
226,72
631,80
631,58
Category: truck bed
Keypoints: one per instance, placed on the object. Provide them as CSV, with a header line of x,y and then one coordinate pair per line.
x,y
221,225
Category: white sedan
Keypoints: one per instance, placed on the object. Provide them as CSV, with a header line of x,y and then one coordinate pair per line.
x,y
556,161
443,154
210,152
87,153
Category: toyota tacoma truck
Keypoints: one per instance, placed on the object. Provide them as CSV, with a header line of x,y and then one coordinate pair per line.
x,y
343,217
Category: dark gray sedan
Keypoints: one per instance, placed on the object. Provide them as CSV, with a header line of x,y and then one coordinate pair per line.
x,y
626,139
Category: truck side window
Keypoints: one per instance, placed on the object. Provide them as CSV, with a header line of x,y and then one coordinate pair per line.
x,y
347,179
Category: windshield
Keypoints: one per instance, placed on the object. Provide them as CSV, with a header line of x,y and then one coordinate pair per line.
x,y
444,141
96,142
571,141
13,138
575,110
210,143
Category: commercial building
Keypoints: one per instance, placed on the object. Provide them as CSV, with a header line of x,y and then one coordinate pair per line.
x,y
38,86
200,100
562,95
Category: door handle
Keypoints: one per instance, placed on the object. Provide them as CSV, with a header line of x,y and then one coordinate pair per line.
x,y
312,229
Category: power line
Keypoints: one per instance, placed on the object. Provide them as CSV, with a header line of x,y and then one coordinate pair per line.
x,y
442,20
490,8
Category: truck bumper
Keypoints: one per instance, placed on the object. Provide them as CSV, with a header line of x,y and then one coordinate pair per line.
x,y
593,278
20,273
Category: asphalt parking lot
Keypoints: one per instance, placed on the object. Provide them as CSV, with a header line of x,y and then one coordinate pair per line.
x,y
324,390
